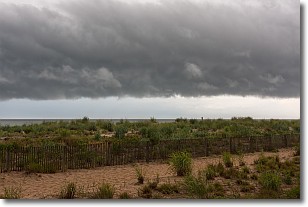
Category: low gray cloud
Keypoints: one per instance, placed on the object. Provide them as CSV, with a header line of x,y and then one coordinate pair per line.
x,y
98,48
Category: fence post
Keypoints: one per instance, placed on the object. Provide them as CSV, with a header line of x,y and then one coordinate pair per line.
x,y
286,140
64,153
230,143
206,146
270,143
7,159
147,156
250,144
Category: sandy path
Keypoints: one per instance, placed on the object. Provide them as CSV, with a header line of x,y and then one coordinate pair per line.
x,y
35,186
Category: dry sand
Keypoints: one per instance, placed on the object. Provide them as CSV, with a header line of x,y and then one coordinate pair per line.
x,y
36,186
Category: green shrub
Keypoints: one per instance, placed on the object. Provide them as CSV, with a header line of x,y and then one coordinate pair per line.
x,y
12,193
97,137
181,163
197,187
230,173
254,177
33,167
218,190
268,194
287,179
210,172
242,175
246,170
242,182
241,159
246,188
167,188
270,181
220,169
145,192
267,163
104,191
120,132
124,195
297,150
294,193
153,184
153,135
68,191
226,157
64,133
139,174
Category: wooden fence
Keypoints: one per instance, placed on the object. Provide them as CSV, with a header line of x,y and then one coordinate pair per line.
x,y
51,159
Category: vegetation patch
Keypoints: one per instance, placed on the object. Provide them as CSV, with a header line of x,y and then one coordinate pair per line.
x,y
125,195
104,191
139,174
168,188
270,181
68,191
226,157
11,193
181,163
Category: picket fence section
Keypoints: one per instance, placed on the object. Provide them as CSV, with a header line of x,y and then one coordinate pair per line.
x,y
50,159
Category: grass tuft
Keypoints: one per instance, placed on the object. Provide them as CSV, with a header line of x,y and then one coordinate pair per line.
x,y
181,163
11,193
140,175
226,158
68,191
104,191
270,181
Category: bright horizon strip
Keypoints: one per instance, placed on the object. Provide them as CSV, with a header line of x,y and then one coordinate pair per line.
x,y
161,108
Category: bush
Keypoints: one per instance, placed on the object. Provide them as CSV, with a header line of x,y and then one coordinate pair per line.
x,y
297,150
254,177
145,192
270,181
33,167
68,191
124,195
153,185
220,169
105,191
246,170
267,163
294,193
230,173
287,179
246,188
197,187
11,193
167,188
85,119
226,157
218,190
97,137
139,174
210,172
120,132
181,163
241,160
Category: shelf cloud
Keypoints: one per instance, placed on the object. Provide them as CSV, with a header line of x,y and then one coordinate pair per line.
x,y
73,49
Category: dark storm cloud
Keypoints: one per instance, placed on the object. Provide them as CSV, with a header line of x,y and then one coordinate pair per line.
x,y
113,48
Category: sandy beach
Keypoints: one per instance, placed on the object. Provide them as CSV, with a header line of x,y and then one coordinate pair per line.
x,y
123,178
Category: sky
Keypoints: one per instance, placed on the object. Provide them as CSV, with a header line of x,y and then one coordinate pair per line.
x,y
154,58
